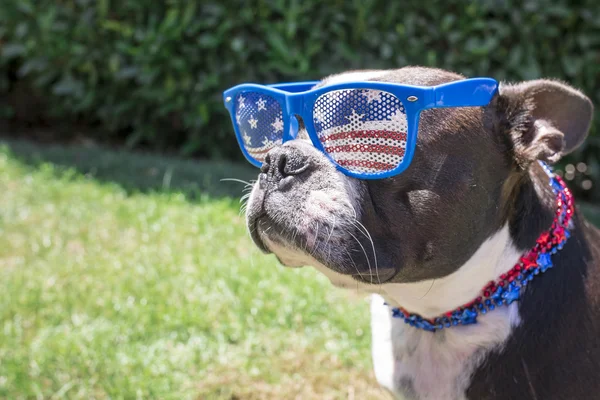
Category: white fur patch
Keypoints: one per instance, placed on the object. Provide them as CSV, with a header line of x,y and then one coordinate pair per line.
x,y
430,298
416,363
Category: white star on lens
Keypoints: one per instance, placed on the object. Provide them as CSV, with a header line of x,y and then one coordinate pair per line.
x,y
241,102
319,115
278,125
355,118
247,139
266,142
398,117
261,103
253,123
372,95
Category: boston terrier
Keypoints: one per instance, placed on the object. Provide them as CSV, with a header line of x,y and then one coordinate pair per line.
x,y
485,279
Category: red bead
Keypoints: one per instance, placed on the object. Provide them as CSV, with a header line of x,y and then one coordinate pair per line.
x,y
544,238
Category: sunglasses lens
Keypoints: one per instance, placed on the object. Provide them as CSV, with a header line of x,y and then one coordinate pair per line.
x,y
260,123
362,130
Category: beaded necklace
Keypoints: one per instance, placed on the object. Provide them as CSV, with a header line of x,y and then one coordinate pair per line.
x,y
507,288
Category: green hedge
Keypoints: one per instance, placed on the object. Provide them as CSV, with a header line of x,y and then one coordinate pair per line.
x,y
151,72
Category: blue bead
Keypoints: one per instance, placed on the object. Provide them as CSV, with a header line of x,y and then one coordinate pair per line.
x,y
530,277
455,322
492,307
544,261
556,186
439,326
513,293
484,311
468,317
426,325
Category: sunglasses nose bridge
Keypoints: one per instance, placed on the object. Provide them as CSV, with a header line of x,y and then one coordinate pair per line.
x,y
294,103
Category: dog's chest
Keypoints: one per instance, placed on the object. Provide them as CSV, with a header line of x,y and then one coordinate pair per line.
x,y
420,365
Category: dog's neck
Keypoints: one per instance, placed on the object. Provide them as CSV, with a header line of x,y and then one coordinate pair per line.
x,y
532,202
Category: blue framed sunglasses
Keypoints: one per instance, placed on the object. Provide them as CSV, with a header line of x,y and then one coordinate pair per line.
x,y
367,129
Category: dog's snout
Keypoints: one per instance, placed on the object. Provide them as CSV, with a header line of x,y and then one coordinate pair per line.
x,y
283,162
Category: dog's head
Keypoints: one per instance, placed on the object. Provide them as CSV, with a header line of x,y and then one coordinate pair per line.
x,y
428,221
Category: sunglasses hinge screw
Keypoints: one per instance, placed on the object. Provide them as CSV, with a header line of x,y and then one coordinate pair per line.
x,y
228,99
412,98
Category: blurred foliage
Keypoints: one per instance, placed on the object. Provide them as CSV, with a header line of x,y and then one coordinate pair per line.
x,y
151,72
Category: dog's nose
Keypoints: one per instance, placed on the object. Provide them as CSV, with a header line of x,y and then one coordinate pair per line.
x,y
283,162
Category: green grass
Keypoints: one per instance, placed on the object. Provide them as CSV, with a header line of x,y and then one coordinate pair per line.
x,y
132,276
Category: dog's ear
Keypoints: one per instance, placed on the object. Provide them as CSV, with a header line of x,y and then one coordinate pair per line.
x,y
545,119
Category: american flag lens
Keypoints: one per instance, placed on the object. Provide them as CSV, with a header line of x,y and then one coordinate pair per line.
x,y
260,123
363,130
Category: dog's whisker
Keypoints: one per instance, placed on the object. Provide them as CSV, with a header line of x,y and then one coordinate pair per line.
x,y
355,266
428,290
235,180
365,253
363,229
331,233
316,242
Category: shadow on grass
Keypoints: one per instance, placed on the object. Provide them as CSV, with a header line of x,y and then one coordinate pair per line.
x,y
139,172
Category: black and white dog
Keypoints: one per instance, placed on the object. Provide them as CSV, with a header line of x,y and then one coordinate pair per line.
x,y
474,200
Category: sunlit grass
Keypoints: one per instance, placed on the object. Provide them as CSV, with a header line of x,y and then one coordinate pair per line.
x,y
112,292
129,276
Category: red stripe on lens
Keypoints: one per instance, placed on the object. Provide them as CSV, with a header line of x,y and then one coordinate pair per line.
x,y
391,135
366,148
376,165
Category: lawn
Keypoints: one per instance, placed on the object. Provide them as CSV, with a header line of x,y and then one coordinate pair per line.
x,y
132,276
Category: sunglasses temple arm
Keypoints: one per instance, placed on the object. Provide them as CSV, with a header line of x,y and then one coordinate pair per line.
x,y
466,93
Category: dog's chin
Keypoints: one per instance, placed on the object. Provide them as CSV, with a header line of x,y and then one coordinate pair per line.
x,y
298,249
